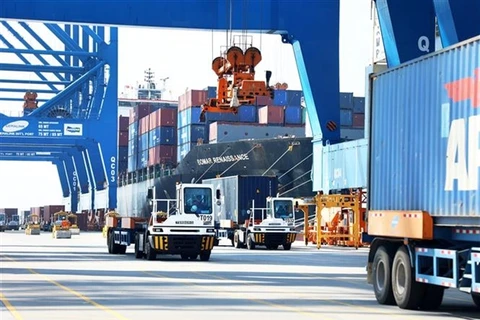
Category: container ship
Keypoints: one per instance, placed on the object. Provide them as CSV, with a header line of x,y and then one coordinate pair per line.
x,y
162,142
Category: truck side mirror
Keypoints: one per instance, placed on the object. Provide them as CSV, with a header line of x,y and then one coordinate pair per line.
x,y
218,194
296,204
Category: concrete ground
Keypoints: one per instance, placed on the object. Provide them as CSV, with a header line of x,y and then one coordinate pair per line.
x,y
45,278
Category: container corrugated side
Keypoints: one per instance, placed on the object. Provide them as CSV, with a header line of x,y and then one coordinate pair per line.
x,y
224,132
422,138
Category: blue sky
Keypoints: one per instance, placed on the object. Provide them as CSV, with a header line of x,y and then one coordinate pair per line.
x,y
27,184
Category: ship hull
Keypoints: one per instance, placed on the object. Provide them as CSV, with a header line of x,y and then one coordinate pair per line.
x,y
290,159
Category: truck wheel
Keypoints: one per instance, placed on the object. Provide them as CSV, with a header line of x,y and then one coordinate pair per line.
x,y
250,243
432,298
382,277
138,253
287,246
184,256
110,242
236,241
121,249
193,256
476,299
408,293
150,253
205,256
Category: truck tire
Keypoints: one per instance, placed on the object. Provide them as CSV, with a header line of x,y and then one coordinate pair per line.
x,y
121,249
287,246
110,242
250,243
205,256
236,241
408,293
432,298
138,253
476,299
382,277
150,253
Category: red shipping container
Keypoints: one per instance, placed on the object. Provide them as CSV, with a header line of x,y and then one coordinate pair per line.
x,y
82,221
144,125
123,139
142,110
132,116
182,102
162,154
153,119
271,115
123,123
358,120
166,118
195,98
263,101
49,211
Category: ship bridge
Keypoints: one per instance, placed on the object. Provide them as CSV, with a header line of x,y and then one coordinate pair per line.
x,y
76,128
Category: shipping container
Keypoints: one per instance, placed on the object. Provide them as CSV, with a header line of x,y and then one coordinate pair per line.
x,y
294,97
261,101
143,142
189,116
142,159
144,125
192,98
247,114
358,105
163,118
162,154
346,100
425,137
140,111
38,211
9,212
49,211
123,138
123,123
82,219
271,115
133,131
358,120
280,97
221,116
228,132
191,134
211,92
293,114
352,133
183,150
122,153
132,162
346,117
132,147
123,166
162,136
240,193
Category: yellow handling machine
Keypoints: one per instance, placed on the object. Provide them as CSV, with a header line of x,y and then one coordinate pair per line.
x,y
72,218
61,226
33,225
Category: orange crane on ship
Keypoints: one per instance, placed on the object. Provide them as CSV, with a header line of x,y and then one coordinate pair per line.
x,y
236,81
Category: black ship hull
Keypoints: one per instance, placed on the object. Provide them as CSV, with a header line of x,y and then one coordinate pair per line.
x,y
290,159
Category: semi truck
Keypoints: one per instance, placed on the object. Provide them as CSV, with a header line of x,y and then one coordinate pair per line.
x,y
250,215
3,222
423,182
183,226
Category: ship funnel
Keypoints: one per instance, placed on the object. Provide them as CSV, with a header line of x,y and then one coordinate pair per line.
x,y
268,76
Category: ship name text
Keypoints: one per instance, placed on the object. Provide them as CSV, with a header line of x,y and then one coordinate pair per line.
x,y
223,159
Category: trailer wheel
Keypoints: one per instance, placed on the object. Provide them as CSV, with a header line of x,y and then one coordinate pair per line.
x,y
236,241
121,249
205,256
382,277
110,242
432,298
287,246
138,253
408,293
193,256
184,256
476,299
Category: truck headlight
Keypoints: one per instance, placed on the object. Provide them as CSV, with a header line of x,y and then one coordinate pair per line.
x,y
210,230
157,230
256,229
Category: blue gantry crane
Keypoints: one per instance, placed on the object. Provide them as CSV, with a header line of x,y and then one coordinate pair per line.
x,y
80,122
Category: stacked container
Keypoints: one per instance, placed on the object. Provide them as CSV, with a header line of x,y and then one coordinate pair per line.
x,y
162,137
9,213
352,116
122,144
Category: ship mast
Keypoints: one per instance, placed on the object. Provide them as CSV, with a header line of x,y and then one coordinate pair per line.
x,y
149,76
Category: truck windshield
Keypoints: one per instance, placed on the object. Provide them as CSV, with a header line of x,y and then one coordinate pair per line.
x,y
198,200
2,217
283,209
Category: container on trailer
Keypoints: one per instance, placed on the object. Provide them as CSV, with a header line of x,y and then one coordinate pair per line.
x,y
425,137
237,193
49,211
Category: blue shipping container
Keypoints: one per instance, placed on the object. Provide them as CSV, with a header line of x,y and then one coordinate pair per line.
x,y
142,159
211,92
191,134
293,115
143,142
247,113
123,153
132,147
346,100
183,150
358,105
132,130
132,163
425,136
122,166
242,193
162,136
346,117
294,97
280,97
189,116
217,116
